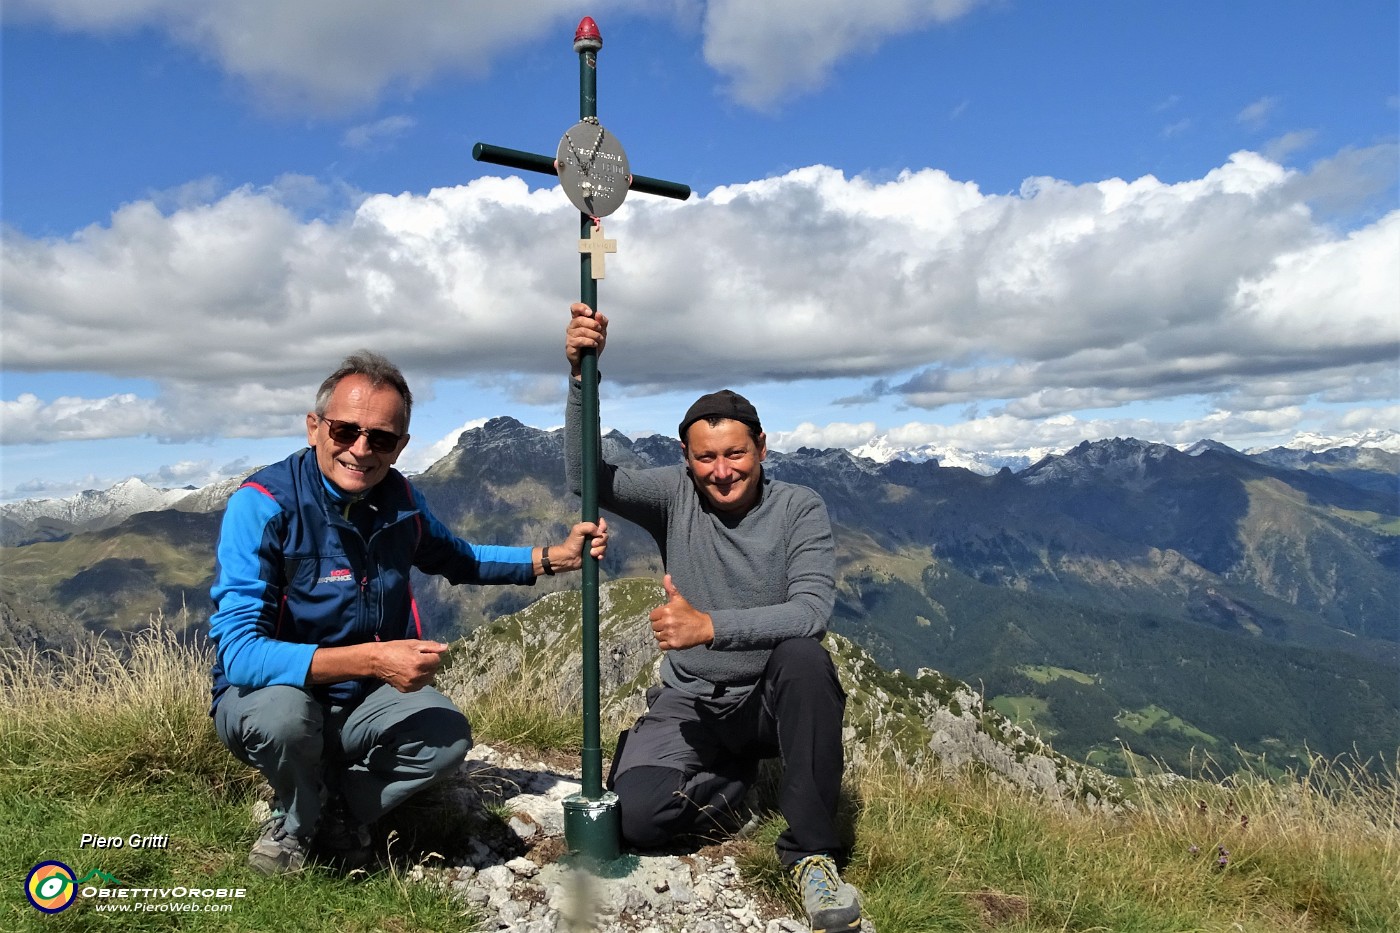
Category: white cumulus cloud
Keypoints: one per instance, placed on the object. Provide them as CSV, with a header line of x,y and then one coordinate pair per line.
x,y
1056,298
323,56
772,49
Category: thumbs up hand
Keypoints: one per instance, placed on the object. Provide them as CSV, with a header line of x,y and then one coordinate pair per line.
x,y
678,624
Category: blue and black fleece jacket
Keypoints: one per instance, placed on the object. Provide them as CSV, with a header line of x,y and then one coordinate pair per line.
x,y
300,565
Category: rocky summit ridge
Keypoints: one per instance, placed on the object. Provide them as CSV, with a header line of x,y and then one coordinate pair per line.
x,y
514,868
515,874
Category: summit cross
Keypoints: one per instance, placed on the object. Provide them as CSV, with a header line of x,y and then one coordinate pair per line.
x,y
594,174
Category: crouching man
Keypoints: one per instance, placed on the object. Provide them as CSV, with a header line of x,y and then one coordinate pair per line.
x,y
750,586
322,679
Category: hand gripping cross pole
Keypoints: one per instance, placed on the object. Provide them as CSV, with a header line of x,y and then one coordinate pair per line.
x,y
593,171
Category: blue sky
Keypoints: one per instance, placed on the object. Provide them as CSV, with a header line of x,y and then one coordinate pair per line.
x,y
992,226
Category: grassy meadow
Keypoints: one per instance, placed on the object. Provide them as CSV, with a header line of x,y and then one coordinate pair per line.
x,y
116,741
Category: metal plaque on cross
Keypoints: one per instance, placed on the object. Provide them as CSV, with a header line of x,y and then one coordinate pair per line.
x,y
593,169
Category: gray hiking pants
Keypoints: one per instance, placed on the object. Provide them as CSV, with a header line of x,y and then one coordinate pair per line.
x,y
374,754
687,763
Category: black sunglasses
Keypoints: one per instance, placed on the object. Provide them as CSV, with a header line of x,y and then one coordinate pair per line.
x,y
348,432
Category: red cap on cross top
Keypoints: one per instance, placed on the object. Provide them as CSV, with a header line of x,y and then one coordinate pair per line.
x,y
588,32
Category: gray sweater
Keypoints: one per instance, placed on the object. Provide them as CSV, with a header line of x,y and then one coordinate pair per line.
x,y
763,577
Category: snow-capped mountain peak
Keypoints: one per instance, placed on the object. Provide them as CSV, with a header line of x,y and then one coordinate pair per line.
x,y
882,450
1380,439
123,500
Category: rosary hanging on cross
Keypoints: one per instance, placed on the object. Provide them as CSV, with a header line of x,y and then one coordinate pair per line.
x,y
595,178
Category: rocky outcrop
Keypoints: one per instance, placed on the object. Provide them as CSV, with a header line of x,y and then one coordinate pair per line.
x,y
976,735
515,876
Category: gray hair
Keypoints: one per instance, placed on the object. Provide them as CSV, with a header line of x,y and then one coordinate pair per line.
x,y
374,367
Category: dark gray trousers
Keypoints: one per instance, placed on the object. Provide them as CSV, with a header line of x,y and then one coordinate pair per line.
x,y
374,754
687,763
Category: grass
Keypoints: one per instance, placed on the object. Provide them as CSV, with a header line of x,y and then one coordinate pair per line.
x,y
1044,673
1140,721
1318,852
1028,711
120,744
116,744
45,564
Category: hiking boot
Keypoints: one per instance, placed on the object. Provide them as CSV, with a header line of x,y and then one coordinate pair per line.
x,y
343,842
277,851
832,905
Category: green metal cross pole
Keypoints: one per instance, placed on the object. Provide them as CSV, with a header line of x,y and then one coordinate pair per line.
x,y
594,173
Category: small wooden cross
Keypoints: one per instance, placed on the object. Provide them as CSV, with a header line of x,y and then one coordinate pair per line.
x,y
595,246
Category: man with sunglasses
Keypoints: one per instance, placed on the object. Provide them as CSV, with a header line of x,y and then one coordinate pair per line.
x,y
750,585
322,677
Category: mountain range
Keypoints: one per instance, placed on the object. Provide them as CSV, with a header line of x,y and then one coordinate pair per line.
x,y
1122,593
1372,457
1375,446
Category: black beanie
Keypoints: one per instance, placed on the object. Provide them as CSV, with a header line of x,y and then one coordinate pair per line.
x,y
725,403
